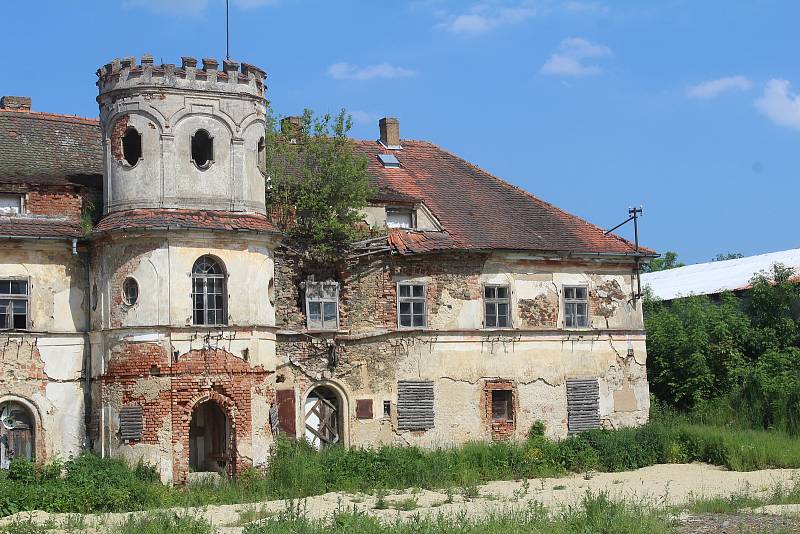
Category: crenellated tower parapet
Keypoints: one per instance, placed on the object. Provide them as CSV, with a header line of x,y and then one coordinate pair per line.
x,y
183,137
125,73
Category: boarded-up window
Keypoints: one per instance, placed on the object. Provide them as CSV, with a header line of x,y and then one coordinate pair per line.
x,y
583,404
286,412
364,408
130,423
414,405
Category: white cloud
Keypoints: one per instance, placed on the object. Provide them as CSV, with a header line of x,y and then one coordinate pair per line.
x,y
191,8
779,104
348,71
714,88
570,59
485,17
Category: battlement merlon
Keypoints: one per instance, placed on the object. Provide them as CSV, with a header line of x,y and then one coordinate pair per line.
x,y
125,73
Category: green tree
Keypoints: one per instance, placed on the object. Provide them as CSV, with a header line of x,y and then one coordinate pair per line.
x,y
317,183
668,261
728,256
696,348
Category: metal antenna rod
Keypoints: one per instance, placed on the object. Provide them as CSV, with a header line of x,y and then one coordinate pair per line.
x,y
227,31
633,215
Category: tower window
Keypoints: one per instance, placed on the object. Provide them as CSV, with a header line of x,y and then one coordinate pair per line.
x,y
202,149
132,146
208,292
130,291
262,155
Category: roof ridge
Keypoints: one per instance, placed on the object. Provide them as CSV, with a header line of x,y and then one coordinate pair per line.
x,y
44,115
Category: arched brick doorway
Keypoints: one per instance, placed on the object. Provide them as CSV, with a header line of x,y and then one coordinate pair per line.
x,y
324,413
210,437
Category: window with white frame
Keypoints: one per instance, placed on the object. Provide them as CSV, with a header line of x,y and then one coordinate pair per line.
x,y
576,306
497,306
322,305
14,298
10,204
399,218
208,292
411,308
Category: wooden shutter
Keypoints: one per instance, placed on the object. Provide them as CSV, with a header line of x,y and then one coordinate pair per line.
x,y
364,408
287,416
583,404
130,423
415,405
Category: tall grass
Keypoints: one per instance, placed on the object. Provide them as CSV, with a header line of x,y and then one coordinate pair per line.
x,y
90,484
596,513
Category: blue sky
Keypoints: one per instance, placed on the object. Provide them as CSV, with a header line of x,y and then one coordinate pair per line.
x,y
687,107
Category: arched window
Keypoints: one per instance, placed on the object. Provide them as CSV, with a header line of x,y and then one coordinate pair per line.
x,y
208,292
202,149
16,433
132,146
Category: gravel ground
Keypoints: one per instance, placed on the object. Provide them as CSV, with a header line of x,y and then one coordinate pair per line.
x,y
659,485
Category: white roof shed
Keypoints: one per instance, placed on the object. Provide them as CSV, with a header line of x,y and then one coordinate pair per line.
x,y
716,276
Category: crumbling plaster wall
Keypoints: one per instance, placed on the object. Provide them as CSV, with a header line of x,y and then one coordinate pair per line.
x,y
45,365
166,176
149,371
536,356
162,266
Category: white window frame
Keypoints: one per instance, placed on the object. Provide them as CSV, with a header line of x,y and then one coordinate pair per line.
x,y
574,301
21,198
495,301
322,299
411,212
411,299
16,297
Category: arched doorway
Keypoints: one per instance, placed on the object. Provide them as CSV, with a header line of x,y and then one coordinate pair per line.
x,y
324,413
209,439
17,433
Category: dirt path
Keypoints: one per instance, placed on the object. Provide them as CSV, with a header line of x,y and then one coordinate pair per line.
x,y
660,485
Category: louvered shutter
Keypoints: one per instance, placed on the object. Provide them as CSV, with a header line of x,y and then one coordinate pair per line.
x,y
583,404
130,423
415,405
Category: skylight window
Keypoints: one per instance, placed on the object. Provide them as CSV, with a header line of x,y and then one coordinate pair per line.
x,y
389,161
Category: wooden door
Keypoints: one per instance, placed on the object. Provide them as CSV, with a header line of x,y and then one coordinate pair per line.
x,y
322,421
16,434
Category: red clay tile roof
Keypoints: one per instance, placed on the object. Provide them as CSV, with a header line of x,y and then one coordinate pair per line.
x,y
49,148
413,242
174,219
478,210
25,226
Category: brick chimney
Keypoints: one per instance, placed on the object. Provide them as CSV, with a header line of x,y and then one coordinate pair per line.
x,y
290,127
16,103
390,132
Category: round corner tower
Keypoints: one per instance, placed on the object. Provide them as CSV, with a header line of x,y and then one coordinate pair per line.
x,y
187,138
182,306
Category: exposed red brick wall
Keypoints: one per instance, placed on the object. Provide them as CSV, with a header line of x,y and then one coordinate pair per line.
x,y
500,430
117,133
196,377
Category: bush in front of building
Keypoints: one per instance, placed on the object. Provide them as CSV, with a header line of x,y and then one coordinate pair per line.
x,y
89,484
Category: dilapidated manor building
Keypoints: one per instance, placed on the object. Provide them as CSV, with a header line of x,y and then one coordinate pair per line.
x,y
148,309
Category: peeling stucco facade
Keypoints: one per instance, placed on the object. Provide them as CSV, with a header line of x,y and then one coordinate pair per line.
x,y
126,374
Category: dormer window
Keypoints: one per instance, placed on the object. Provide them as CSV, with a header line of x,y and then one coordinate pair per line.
x,y
202,149
400,218
10,204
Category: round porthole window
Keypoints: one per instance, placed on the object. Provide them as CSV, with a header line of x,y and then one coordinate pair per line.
x,y
130,291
